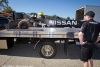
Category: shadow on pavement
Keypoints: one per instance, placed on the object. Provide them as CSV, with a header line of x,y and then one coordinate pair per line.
x,y
27,50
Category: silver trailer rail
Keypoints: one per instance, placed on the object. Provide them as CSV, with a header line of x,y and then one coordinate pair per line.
x,y
34,32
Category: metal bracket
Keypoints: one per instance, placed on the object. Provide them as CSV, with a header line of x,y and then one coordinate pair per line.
x,y
66,46
34,33
17,33
37,43
51,34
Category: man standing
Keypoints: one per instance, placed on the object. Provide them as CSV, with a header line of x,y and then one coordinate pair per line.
x,y
88,36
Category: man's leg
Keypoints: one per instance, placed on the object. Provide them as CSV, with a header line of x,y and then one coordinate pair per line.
x,y
84,56
90,62
86,64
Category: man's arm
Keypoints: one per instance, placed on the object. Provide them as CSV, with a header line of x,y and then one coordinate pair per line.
x,y
80,36
81,33
98,39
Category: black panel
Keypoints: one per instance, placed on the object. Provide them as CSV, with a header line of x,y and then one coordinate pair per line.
x,y
3,20
10,42
19,16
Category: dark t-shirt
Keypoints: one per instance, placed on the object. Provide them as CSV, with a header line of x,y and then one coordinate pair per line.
x,y
91,30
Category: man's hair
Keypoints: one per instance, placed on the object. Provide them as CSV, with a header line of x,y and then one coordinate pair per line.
x,y
90,13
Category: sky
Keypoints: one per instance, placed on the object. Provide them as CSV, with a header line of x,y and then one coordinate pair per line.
x,y
62,8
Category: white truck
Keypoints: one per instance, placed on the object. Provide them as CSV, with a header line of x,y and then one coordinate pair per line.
x,y
47,36
80,12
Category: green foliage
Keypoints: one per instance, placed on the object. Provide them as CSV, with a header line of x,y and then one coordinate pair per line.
x,y
52,16
68,18
8,10
72,18
55,16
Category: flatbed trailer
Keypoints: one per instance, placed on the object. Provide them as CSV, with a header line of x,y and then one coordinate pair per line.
x,y
45,36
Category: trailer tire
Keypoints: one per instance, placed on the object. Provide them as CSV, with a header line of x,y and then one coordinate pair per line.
x,y
22,25
51,50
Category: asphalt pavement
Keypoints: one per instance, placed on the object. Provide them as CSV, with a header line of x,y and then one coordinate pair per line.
x,y
24,55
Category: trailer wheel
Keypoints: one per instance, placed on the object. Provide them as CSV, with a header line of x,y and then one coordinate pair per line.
x,y
47,50
22,25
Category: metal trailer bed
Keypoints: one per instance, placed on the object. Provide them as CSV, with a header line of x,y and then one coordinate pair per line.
x,y
41,32
46,36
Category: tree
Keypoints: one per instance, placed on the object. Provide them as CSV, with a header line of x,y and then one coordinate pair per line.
x,y
68,18
72,18
54,16
47,16
8,9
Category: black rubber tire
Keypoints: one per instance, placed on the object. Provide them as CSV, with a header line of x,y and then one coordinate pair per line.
x,y
51,44
23,23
